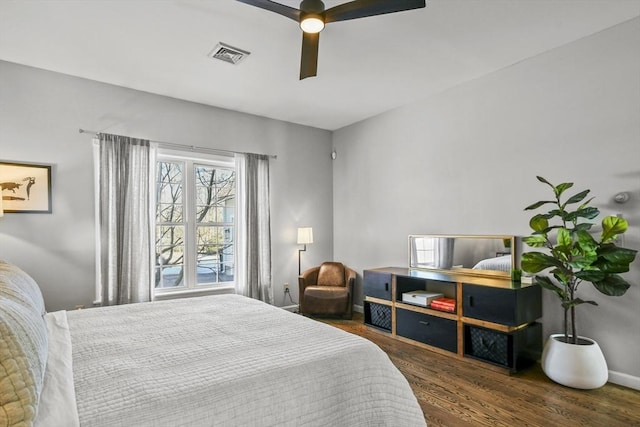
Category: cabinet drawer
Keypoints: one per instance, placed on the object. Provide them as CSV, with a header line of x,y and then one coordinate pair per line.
x,y
377,284
431,330
505,306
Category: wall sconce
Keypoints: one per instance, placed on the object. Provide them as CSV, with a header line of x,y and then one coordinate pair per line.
x,y
305,236
1,210
622,197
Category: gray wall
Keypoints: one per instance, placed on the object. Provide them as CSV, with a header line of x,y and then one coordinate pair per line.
x,y
465,161
40,113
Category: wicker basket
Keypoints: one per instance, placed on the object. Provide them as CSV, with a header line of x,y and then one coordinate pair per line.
x,y
379,316
488,345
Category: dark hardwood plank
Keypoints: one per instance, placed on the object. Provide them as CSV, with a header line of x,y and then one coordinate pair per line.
x,y
455,392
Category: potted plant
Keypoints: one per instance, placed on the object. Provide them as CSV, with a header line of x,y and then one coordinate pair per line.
x,y
572,258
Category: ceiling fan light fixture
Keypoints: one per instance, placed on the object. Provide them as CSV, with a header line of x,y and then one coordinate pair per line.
x,y
312,23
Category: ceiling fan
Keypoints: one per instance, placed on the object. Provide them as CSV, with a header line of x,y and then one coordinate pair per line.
x,y
312,18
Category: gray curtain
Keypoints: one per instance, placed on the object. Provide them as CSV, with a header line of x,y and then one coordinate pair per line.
x,y
125,272
254,228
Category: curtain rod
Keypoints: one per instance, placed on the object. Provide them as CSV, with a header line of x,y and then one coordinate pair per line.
x,y
193,148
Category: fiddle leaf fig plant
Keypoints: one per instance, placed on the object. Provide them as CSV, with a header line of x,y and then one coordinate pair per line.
x,y
575,256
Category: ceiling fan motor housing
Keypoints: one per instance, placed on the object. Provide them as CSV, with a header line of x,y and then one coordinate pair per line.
x,y
312,6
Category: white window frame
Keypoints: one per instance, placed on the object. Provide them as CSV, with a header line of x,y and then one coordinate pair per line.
x,y
189,160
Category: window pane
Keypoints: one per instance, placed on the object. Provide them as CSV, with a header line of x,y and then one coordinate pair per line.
x,y
215,254
169,192
169,277
169,256
215,194
168,213
170,235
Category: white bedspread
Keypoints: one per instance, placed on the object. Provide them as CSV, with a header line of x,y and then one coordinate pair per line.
x,y
229,361
58,399
501,263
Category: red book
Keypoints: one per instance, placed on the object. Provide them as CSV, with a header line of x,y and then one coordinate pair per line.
x,y
442,304
445,304
443,308
444,301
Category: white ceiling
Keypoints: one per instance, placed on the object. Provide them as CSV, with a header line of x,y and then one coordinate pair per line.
x,y
365,67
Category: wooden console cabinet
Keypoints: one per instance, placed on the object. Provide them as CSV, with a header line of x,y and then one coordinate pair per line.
x,y
494,319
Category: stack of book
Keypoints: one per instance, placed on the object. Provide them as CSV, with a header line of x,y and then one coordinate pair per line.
x,y
444,304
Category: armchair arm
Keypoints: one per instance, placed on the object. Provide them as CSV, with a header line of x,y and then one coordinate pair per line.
x,y
350,278
307,278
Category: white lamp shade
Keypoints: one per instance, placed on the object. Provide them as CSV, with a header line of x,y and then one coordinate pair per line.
x,y
305,235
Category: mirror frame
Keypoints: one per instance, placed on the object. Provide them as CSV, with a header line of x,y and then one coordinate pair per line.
x,y
516,252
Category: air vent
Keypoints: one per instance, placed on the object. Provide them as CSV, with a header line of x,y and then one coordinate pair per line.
x,y
227,53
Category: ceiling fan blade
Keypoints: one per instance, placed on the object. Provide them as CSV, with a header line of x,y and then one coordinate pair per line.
x,y
278,8
364,8
309,61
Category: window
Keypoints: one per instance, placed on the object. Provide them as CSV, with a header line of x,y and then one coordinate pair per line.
x,y
195,223
424,252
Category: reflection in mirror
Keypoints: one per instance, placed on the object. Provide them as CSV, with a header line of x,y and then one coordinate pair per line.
x,y
495,254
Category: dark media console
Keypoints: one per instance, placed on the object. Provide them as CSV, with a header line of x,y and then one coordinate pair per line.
x,y
493,319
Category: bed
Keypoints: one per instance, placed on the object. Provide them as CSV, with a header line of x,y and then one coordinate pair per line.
x,y
208,361
500,263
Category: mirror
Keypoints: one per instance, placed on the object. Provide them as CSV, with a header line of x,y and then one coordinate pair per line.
x,y
493,255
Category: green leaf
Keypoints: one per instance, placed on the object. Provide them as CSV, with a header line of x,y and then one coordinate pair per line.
x,y
584,261
536,205
562,275
586,203
541,179
616,254
591,275
585,226
586,242
560,188
612,285
588,212
611,227
546,283
535,262
577,197
564,237
538,223
613,259
535,241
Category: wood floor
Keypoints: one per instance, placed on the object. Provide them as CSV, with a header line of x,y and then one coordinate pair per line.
x,y
454,392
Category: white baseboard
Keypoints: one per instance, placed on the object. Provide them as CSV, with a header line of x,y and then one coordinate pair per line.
x,y
291,308
358,308
625,380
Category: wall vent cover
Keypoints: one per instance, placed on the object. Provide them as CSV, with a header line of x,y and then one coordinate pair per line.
x,y
227,53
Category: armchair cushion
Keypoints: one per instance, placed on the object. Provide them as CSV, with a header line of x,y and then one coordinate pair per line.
x,y
327,299
331,274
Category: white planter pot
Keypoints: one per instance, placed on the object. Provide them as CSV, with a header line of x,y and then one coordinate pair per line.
x,y
574,365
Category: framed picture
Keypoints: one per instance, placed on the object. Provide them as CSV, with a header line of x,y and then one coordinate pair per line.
x,y
26,188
